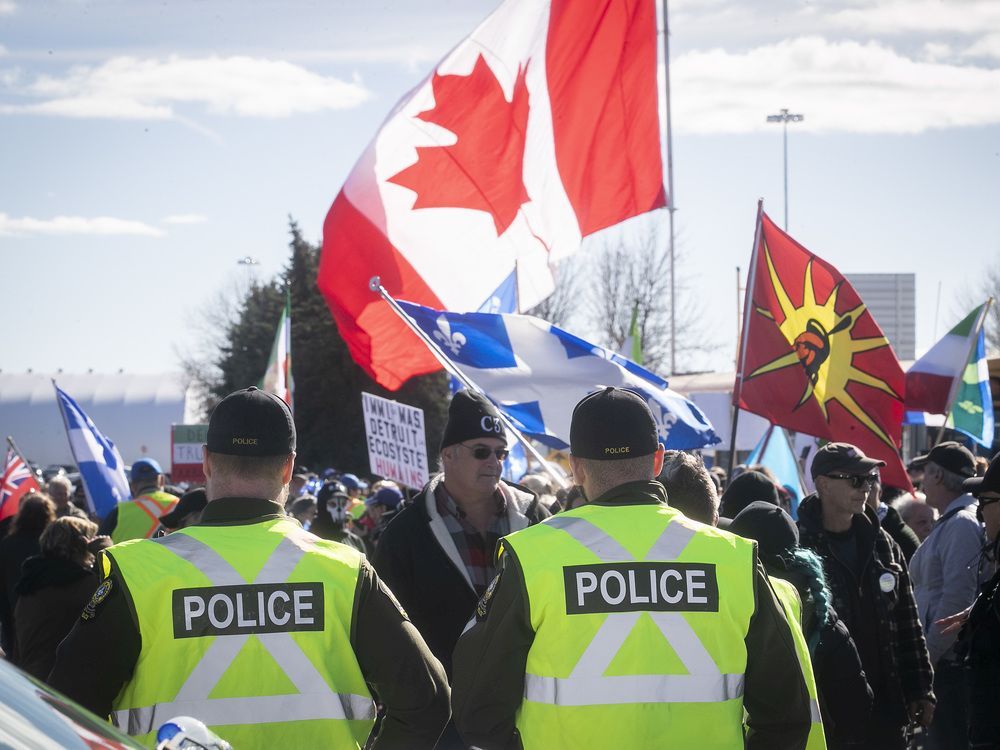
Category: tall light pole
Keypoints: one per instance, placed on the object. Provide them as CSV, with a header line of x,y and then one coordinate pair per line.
x,y
671,202
248,263
784,118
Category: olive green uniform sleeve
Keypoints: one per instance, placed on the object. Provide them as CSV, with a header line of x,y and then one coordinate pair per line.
x,y
407,680
489,662
775,696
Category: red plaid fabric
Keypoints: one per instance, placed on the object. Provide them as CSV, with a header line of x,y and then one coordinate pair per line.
x,y
476,550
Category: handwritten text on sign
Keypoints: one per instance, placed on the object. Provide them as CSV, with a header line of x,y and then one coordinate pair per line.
x,y
397,448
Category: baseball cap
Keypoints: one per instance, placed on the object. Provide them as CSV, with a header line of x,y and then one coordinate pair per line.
x,y
190,502
952,456
989,482
842,457
610,424
145,469
251,422
390,497
470,416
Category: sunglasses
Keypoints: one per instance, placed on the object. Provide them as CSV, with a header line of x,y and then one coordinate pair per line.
x,y
857,481
482,452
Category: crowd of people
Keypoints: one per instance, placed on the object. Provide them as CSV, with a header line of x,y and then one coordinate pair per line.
x,y
655,598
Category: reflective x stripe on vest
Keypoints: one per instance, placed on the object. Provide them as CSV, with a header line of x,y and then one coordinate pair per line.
x,y
586,685
140,517
316,699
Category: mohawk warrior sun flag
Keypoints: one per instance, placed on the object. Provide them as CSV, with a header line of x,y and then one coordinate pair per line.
x,y
278,376
815,361
16,482
537,130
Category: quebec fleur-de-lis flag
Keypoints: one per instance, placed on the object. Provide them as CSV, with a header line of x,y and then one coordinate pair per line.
x,y
815,360
538,129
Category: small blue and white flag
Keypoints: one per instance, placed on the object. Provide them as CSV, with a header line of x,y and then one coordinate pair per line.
x,y
101,466
536,373
775,452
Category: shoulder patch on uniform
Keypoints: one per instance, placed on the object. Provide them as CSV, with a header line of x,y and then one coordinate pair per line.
x,y
90,611
483,607
392,597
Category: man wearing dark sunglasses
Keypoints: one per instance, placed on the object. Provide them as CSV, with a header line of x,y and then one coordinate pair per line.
x,y
870,584
438,554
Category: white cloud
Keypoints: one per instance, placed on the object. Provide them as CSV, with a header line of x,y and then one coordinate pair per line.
x,y
839,86
921,16
7,7
986,46
132,88
185,219
79,225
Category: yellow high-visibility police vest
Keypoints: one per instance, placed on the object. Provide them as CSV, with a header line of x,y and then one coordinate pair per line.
x,y
640,618
139,518
788,595
247,628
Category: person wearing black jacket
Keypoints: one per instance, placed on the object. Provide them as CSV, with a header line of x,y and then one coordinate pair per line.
x,y
844,694
870,584
437,554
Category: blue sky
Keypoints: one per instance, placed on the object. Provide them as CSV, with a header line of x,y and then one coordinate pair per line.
x,y
147,146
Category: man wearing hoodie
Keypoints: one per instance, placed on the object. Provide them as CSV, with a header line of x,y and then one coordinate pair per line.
x,y
870,584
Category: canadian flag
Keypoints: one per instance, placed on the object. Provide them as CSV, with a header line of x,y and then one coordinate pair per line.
x,y
537,130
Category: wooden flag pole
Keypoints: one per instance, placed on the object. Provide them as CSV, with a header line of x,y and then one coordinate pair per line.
x,y
375,284
741,356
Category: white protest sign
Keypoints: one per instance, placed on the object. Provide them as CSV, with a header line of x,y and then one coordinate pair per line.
x,y
397,448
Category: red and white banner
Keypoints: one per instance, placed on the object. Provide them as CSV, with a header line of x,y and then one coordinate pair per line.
x,y
537,130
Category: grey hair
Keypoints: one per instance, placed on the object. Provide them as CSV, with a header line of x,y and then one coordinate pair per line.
x,y
951,481
62,482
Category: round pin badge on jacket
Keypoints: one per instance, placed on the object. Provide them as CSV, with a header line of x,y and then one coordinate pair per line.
x,y
887,582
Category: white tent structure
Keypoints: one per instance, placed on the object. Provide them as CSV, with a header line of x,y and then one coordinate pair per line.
x,y
134,411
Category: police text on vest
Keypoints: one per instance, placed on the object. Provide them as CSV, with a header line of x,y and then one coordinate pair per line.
x,y
641,587
241,610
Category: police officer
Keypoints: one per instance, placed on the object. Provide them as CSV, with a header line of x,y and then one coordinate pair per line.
x,y
624,624
139,518
270,635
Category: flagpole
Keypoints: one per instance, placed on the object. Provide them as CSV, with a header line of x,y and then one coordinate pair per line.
x,y
671,207
741,357
375,284
62,413
956,382
17,452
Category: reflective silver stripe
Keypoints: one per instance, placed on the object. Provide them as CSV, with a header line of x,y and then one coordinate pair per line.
x,y
316,700
591,537
639,688
814,712
587,685
151,507
264,709
203,557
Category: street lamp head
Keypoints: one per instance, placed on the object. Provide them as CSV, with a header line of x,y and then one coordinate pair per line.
x,y
248,261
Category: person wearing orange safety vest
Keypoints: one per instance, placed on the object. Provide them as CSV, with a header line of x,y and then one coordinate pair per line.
x,y
622,623
139,518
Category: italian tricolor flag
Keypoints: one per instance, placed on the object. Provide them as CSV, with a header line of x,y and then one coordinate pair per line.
x,y
932,381
278,376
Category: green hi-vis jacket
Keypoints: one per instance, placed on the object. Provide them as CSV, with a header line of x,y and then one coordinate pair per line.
x,y
139,518
238,625
640,619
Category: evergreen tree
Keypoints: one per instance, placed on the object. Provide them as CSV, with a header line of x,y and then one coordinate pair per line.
x,y
328,384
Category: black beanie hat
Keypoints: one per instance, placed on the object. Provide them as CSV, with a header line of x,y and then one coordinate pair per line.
x,y
470,416
745,489
611,424
774,530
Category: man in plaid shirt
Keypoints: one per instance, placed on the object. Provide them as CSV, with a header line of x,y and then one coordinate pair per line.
x,y
870,584
438,554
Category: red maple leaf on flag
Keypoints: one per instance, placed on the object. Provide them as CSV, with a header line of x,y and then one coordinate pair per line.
x,y
483,170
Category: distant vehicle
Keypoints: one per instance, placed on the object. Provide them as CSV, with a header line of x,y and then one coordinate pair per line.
x,y
33,716
54,470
